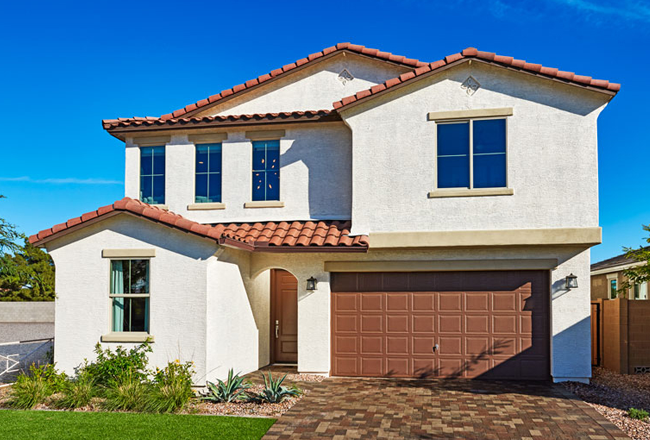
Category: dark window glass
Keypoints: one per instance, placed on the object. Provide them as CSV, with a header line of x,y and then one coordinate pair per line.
x,y
488,155
129,278
152,175
453,155
613,289
266,170
208,174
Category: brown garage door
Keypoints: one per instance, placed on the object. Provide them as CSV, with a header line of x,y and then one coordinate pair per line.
x,y
444,324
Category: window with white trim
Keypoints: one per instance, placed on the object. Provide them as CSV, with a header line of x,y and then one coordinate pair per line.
x,y
472,154
129,293
613,288
207,183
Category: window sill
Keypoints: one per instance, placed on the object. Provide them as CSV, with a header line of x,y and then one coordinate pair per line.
x,y
464,192
205,206
165,207
264,204
127,337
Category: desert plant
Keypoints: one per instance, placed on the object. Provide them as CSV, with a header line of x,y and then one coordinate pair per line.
x,y
274,392
36,385
128,393
233,389
113,366
28,391
639,414
78,393
171,388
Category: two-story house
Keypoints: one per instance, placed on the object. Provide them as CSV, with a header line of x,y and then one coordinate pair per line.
x,y
355,212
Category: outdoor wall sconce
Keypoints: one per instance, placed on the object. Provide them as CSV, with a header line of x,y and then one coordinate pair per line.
x,y
311,284
571,282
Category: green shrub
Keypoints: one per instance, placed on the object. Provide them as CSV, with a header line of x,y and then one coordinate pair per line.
x,y
34,387
274,392
78,393
231,390
171,388
128,393
112,366
639,414
28,391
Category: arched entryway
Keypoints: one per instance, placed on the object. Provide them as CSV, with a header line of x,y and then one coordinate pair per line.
x,y
284,317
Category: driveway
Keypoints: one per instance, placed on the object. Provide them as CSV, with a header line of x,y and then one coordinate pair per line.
x,y
394,408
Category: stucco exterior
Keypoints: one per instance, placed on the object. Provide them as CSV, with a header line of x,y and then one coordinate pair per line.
x,y
375,166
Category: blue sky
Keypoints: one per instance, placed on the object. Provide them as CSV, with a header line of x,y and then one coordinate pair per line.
x,y
67,65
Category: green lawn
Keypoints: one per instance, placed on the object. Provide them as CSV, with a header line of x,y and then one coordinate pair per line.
x,y
35,425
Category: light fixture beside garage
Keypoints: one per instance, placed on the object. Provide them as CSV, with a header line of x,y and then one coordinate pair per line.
x,y
571,282
311,284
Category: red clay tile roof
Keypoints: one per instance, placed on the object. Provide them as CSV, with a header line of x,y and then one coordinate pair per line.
x,y
471,52
282,117
374,53
297,236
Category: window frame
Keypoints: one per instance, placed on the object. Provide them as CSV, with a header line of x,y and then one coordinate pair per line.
x,y
220,172
610,278
152,175
252,172
112,296
471,153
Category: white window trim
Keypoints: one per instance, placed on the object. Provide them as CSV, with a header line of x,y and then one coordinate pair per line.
x,y
610,278
471,191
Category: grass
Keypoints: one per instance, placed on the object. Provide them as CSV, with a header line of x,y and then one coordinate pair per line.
x,y
36,425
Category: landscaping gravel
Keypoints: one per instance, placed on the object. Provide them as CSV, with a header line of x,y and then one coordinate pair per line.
x,y
613,394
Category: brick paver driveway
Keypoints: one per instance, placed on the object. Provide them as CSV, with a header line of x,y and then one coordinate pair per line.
x,y
393,408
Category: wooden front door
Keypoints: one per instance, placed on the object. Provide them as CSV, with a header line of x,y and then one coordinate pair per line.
x,y
284,317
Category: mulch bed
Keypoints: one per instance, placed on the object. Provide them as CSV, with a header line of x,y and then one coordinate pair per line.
x,y
612,394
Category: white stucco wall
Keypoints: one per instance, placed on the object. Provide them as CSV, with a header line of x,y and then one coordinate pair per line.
x,y
551,154
312,88
315,176
178,282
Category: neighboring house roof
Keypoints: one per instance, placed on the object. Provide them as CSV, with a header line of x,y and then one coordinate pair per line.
x,y
613,263
297,236
311,59
123,125
487,57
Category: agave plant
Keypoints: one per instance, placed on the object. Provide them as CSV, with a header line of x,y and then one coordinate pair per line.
x,y
231,390
274,392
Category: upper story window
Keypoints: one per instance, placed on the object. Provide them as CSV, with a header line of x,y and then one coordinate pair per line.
x,y
208,173
152,175
266,170
613,289
640,291
129,293
472,154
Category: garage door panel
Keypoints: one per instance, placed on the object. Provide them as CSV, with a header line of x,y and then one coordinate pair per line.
x,y
450,324
486,324
504,302
372,323
372,366
423,323
477,302
450,302
504,324
450,345
424,302
398,367
477,324
372,345
397,302
345,302
397,324
397,345
346,323
372,302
